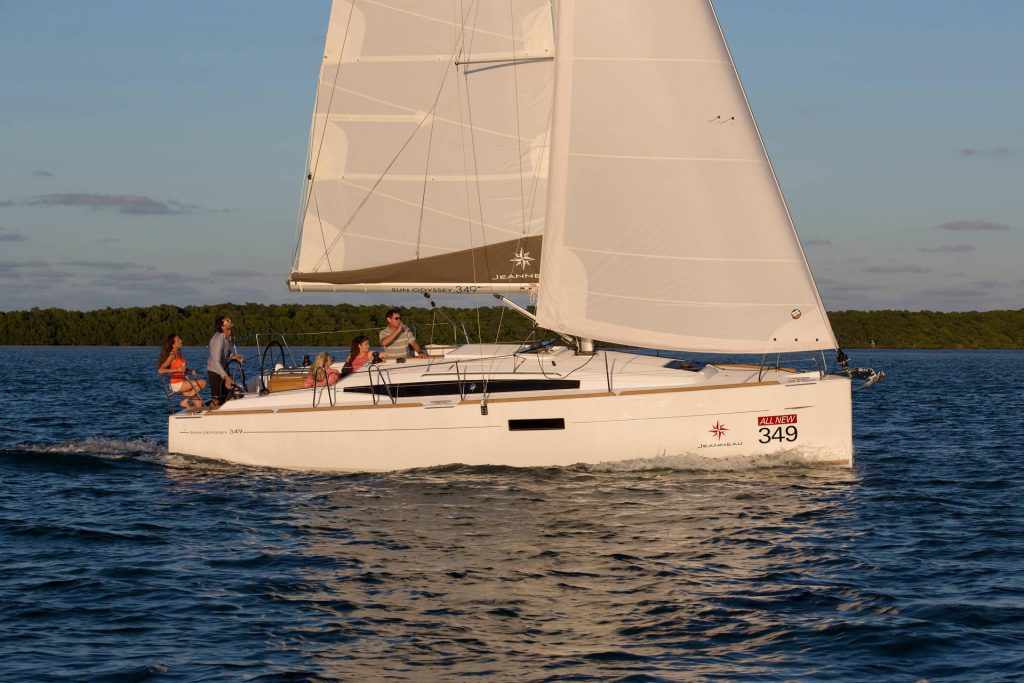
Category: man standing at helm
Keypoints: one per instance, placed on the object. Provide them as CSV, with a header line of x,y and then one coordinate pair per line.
x,y
216,364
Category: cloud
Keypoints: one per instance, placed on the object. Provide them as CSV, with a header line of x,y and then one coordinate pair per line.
x,y
955,292
14,265
40,273
11,236
900,268
817,243
973,226
108,265
137,205
240,273
148,278
948,249
39,173
989,284
986,152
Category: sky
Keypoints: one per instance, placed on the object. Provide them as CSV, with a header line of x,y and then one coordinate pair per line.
x,y
153,152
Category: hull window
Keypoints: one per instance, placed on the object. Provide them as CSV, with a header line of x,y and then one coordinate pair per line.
x,y
533,425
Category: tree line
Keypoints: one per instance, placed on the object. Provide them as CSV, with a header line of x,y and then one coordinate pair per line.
x,y
335,325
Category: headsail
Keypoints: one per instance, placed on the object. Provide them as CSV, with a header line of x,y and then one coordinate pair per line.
x,y
666,227
428,147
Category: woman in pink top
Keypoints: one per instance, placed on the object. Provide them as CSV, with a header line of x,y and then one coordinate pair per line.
x,y
359,354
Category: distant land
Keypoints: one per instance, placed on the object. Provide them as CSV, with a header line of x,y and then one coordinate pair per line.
x,y
148,326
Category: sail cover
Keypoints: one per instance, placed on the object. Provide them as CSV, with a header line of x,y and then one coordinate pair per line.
x,y
665,226
428,147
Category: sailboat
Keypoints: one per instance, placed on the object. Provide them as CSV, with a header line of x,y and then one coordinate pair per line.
x,y
598,156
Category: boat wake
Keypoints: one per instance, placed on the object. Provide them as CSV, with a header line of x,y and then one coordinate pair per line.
x,y
98,446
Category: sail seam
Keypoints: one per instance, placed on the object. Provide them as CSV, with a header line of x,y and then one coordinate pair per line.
x,y
683,302
683,60
663,158
496,177
682,258
415,115
437,20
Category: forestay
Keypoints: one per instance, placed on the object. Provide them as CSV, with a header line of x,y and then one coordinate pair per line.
x,y
665,225
428,147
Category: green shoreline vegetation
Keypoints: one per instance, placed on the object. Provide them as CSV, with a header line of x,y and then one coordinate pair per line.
x,y
148,326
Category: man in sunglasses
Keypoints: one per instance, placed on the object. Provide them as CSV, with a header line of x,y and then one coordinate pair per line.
x,y
396,338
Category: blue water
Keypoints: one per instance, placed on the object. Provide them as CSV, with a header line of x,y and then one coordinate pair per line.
x,y
119,561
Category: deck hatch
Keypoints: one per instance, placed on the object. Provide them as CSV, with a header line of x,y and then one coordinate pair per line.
x,y
536,424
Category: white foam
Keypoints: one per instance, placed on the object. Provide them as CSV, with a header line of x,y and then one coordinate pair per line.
x,y
102,447
802,457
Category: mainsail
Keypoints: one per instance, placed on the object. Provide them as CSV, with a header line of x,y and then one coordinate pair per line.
x,y
427,164
666,227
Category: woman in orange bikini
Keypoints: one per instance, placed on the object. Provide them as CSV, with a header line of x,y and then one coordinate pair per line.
x,y
172,363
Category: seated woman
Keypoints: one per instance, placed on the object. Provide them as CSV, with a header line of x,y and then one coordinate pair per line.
x,y
358,355
172,363
321,371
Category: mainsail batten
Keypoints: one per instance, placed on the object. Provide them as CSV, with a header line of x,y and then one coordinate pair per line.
x,y
691,246
429,141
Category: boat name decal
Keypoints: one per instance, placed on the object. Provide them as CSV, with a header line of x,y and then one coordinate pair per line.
x,y
720,445
719,430
514,276
459,289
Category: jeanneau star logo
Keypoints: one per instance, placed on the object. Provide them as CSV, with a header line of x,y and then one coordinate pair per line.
x,y
521,259
719,430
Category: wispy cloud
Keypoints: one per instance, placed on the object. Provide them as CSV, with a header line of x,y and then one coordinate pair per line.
x,y
989,284
840,286
106,265
240,273
948,249
987,152
36,271
39,173
973,226
955,292
898,268
11,236
9,266
133,204
817,243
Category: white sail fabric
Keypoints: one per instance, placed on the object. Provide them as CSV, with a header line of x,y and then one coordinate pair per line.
x,y
428,146
665,225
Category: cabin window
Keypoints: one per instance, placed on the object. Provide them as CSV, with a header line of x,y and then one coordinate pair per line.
x,y
536,424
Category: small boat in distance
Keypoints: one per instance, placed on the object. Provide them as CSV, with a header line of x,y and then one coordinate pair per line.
x,y
600,156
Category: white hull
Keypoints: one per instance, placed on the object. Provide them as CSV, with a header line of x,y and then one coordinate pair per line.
x,y
653,412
